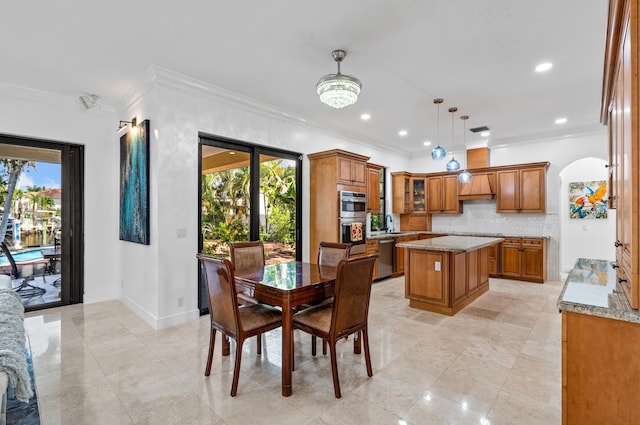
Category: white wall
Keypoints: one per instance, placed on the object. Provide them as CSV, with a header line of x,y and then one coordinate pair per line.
x,y
32,113
586,238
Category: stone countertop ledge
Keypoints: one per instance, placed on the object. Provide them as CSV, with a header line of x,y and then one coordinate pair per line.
x,y
591,288
451,243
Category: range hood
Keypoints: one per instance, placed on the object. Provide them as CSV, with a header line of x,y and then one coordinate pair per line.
x,y
481,186
483,183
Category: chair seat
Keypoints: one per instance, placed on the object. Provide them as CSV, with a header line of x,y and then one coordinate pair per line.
x,y
317,317
256,316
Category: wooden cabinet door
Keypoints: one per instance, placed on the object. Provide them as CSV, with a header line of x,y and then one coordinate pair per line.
x,y
434,198
450,202
400,193
399,260
473,270
507,191
429,277
532,261
532,191
352,172
418,195
372,248
510,258
373,189
492,257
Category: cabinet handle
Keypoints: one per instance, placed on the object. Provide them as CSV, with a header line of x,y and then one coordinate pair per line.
x,y
620,280
617,244
615,266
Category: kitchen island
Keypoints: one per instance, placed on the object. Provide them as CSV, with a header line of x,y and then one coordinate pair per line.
x,y
445,274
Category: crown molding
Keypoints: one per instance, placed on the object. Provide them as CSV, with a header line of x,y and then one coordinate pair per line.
x,y
41,96
159,76
587,130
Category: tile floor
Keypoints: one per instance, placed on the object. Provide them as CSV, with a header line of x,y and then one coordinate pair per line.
x,y
495,362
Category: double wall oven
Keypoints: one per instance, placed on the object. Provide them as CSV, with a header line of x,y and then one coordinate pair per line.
x,y
353,220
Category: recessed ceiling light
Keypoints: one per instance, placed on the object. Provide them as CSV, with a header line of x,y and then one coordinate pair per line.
x,y
427,143
544,67
403,133
232,153
485,133
365,117
561,120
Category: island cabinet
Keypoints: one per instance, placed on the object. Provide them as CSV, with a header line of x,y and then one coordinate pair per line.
x,y
330,172
493,253
443,195
373,187
524,259
445,274
620,111
521,189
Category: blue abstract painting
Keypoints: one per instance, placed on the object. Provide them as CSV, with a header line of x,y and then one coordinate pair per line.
x,y
134,184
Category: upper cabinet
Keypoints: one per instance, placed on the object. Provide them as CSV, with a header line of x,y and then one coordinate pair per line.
x,y
443,194
373,188
521,189
352,170
418,195
619,111
400,192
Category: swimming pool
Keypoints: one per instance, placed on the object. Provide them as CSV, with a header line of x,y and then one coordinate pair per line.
x,y
23,256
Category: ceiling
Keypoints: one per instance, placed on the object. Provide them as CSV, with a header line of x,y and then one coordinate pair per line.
x,y
477,55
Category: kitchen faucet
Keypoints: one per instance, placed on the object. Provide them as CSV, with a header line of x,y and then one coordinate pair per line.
x,y
388,221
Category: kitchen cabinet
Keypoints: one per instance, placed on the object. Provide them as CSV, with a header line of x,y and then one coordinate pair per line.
x,y
415,222
600,370
418,195
521,189
620,111
399,258
373,187
493,255
400,189
352,170
443,195
524,259
328,174
372,248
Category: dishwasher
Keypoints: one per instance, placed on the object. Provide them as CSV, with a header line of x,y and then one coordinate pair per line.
x,y
385,257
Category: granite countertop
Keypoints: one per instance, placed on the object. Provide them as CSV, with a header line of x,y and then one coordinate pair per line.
x,y
451,243
591,288
387,235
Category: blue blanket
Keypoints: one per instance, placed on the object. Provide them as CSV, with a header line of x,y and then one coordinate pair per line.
x,y
12,358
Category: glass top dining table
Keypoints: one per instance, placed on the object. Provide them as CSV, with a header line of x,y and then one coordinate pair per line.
x,y
288,285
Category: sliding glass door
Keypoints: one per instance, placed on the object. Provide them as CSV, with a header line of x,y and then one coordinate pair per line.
x,y
41,201
249,192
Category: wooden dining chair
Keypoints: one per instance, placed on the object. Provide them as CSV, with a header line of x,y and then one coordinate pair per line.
x,y
235,321
347,314
329,254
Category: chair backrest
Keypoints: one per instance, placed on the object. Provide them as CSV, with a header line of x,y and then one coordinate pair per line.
x,y
330,253
247,255
352,294
221,293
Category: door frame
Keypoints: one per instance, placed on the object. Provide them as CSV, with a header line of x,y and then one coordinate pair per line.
x,y
254,150
72,204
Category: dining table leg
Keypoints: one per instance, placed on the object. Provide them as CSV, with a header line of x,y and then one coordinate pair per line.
x,y
287,349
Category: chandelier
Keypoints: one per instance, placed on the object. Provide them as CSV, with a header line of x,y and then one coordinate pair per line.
x,y
465,176
438,152
338,90
453,164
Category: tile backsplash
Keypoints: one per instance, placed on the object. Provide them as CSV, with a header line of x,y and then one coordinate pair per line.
x,y
481,216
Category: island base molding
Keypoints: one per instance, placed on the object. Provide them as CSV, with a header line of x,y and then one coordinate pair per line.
x,y
449,311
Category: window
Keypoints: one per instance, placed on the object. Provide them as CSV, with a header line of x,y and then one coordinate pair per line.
x,y
378,221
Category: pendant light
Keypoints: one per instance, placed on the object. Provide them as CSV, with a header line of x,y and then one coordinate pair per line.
x,y
438,152
464,176
452,165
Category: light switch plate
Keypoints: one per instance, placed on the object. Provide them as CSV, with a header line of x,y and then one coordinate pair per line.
x,y
437,266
